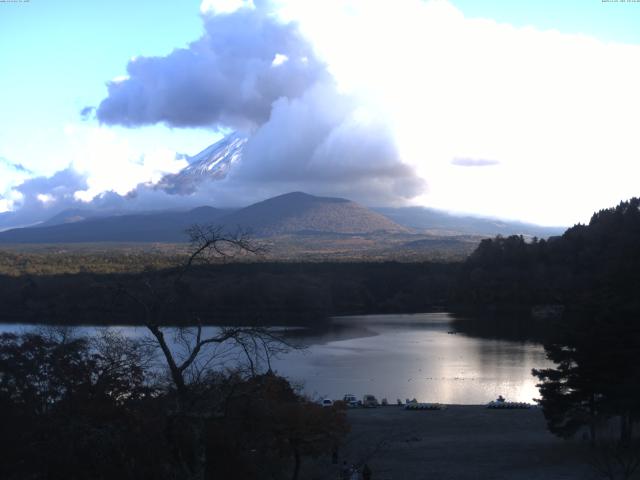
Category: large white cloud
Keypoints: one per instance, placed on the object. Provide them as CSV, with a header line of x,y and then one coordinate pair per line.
x,y
374,100
11,175
244,61
557,113
110,163
254,70
105,170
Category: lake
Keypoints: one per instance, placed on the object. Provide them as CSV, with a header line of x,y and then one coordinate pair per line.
x,y
401,356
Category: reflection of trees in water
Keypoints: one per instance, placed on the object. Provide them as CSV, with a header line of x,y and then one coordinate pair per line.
x,y
515,327
326,331
335,329
503,350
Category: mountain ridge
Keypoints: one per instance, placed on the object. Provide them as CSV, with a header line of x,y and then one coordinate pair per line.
x,y
444,223
291,214
298,212
168,226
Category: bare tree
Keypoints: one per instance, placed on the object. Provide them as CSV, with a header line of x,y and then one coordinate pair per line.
x,y
190,350
199,346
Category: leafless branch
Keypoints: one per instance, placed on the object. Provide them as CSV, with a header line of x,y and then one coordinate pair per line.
x,y
258,344
213,241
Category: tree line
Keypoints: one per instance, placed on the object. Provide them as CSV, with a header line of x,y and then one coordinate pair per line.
x,y
593,271
228,293
589,266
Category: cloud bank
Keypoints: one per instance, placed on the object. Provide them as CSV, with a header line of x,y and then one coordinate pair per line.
x,y
391,99
557,111
245,61
11,175
254,71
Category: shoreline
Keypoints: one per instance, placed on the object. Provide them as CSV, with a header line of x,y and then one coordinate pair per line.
x,y
461,442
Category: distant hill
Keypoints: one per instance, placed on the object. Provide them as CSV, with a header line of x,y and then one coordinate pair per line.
x,y
299,212
74,215
294,214
149,227
437,222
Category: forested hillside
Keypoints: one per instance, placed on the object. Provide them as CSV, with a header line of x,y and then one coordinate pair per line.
x,y
228,293
594,264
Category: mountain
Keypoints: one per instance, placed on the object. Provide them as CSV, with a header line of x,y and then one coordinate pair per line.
x,y
73,215
149,227
299,212
292,213
212,163
437,222
215,161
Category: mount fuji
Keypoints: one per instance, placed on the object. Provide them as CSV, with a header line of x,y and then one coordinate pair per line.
x,y
287,214
212,163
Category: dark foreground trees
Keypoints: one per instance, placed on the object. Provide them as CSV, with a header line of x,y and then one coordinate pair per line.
x,y
596,383
161,407
594,389
78,408
69,409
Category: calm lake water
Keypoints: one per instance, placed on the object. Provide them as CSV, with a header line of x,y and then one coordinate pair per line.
x,y
402,356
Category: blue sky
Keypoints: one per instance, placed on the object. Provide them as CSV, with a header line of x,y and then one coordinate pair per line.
x,y
57,57
610,21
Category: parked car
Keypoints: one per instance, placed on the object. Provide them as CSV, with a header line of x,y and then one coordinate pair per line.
x,y
369,401
350,399
326,402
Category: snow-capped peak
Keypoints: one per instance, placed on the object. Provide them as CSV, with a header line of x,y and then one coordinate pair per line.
x,y
212,163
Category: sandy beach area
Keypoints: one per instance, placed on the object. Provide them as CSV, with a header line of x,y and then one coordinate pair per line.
x,y
461,442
